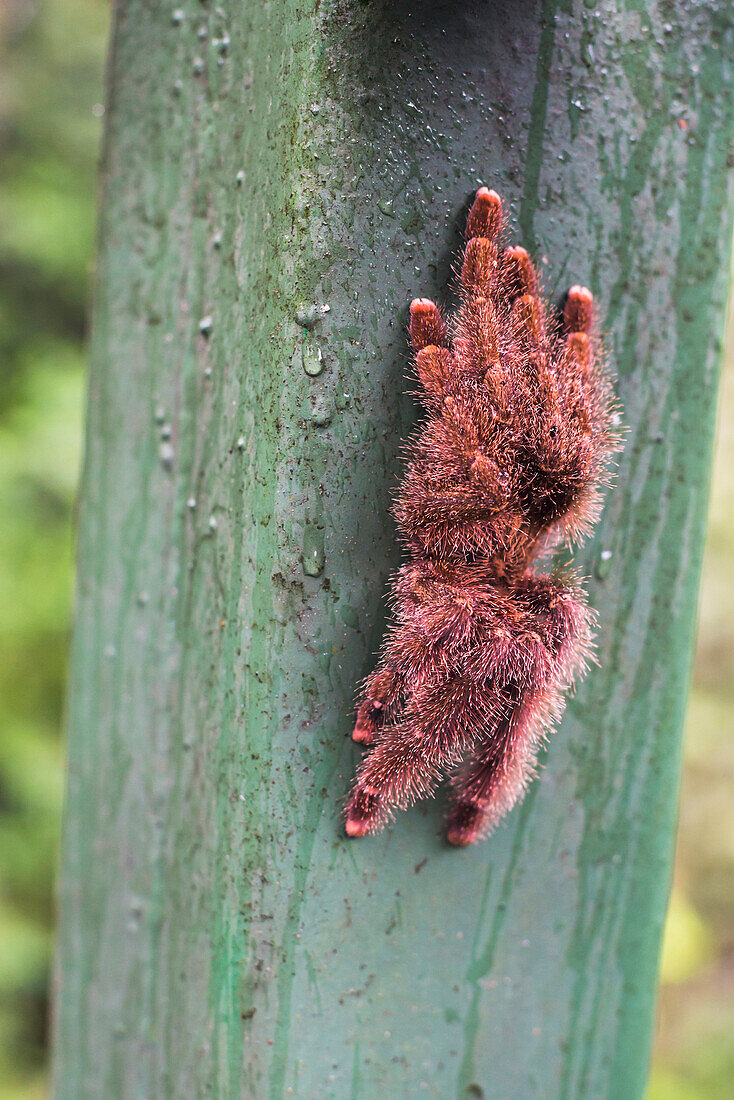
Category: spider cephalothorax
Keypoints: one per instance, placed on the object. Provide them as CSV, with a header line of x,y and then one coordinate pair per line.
x,y
509,461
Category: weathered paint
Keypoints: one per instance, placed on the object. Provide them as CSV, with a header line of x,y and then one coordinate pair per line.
x,y
219,936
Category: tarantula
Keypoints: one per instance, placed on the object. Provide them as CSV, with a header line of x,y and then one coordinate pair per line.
x,y
509,462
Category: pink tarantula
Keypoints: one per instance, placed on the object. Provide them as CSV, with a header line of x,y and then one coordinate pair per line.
x,y
510,461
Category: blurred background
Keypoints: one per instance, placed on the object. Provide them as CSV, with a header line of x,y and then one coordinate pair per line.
x,y
51,113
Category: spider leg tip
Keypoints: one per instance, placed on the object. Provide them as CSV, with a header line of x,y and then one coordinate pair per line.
x,y
426,325
464,825
422,305
362,811
581,294
579,311
485,216
458,838
486,194
362,735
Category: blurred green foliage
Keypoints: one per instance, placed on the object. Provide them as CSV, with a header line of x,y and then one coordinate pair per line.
x,y
694,1051
51,59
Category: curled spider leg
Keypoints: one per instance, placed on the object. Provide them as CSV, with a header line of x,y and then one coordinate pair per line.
x,y
408,759
503,762
503,765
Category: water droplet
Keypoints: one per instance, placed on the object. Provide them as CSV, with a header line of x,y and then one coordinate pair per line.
x,y
217,240
321,414
604,565
177,17
206,324
109,651
240,177
213,523
143,598
312,554
241,443
313,360
165,431
166,454
307,316
191,503
160,414
198,66
587,48
386,206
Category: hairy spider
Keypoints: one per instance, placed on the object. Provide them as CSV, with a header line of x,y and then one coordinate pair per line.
x,y
509,462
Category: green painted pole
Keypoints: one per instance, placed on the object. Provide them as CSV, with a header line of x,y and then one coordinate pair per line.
x,y
219,936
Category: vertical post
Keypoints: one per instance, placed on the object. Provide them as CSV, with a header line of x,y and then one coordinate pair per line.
x,y
263,162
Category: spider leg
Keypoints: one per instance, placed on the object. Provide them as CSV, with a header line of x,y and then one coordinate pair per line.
x,y
504,762
477,324
499,292
496,779
434,361
380,697
427,328
518,272
578,314
547,389
568,435
581,384
587,394
434,367
439,724
428,334
485,217
407,658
